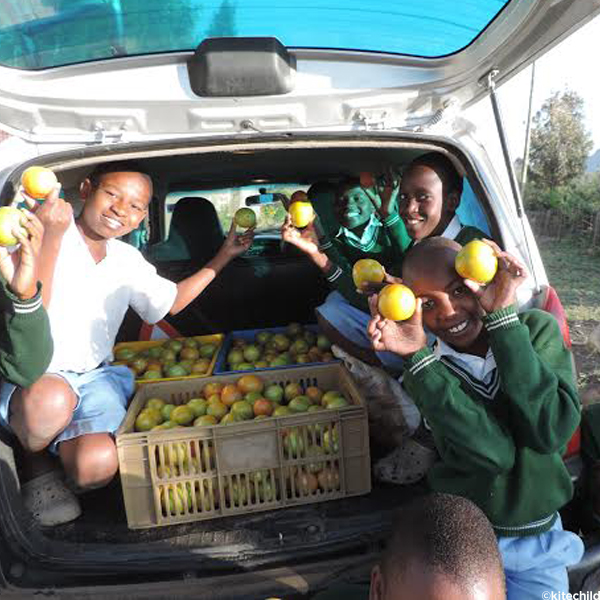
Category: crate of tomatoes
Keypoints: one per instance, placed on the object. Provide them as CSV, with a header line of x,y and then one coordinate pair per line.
x,y
235,444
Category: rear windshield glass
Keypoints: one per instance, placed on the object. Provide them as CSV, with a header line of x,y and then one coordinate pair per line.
x,y
266,201
38,34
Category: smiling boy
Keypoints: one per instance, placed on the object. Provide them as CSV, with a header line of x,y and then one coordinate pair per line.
x,y
89,281
498,393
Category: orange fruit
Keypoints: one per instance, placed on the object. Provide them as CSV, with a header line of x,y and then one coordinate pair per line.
x,y
10,221
396,302
38,182
262,407
245,217
367,270
476,261
302,213
212,388
230,394
250,383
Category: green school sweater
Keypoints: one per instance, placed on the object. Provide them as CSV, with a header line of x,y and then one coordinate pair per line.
x,y
25,340
504,453
387,245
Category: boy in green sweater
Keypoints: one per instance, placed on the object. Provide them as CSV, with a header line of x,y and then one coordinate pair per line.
x,y
498,393
25,340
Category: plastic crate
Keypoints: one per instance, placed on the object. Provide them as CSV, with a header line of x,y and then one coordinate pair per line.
x,y
249,335
248,466
215,338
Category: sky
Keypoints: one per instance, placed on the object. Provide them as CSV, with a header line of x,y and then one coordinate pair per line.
x,y
570,65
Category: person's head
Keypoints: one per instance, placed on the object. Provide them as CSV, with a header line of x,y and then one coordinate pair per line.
x,y
442,547
450,309
352,207
430,192
116,197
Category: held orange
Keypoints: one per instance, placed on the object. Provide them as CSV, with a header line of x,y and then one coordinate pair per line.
x,y
10,219
302,213
367,270
38,182
245,217
476,261
396,302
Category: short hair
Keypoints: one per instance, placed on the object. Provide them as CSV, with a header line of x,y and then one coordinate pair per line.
x,y
117,166
447,534
347,184
423,257
444,168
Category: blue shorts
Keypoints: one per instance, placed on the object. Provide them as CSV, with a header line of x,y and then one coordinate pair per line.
x,y
351,322
536,565
102,397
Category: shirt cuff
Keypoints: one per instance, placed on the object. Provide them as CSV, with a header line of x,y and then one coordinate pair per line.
x,y
503,318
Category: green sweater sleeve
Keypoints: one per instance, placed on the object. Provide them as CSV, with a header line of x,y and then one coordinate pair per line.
x,y
467,435
536,375
25,340
397,234
339,275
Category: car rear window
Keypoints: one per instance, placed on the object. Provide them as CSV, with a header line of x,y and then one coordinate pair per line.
x,y
38,34
270,214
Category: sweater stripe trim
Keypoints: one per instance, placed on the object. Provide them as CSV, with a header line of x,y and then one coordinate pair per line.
x,y
487,390
23,309
391,220
424,362
527,526
335,275
504,321
326,246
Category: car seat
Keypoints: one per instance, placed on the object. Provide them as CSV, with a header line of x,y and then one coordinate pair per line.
x,y
195,234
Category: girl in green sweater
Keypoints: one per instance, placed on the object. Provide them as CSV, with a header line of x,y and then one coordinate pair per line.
x,y
498,393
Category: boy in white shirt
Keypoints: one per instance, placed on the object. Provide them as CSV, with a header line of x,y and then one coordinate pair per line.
x,y
89,280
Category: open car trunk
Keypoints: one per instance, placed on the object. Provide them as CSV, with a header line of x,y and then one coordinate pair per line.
x,y
99,546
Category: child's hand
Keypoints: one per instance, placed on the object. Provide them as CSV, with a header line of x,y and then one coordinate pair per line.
x,y
305,239
383,194
55,214
237,243
19,268
501,291
402,337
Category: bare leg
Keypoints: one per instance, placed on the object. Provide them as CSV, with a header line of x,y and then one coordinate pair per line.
x,y
90,461
39,413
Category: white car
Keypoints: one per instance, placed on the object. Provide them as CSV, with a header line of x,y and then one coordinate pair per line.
x,y
219,101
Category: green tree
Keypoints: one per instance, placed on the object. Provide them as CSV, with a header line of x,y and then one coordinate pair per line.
x,y
560,143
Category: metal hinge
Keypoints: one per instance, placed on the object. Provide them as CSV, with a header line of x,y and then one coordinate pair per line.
x,y
110,133
371,119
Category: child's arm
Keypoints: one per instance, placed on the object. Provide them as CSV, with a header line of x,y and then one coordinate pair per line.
x,y
193,286
466,434
56,215
25,340
536,374
534,365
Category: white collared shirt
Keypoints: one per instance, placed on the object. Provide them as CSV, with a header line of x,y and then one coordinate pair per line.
x,y
480,372
89,300
368,233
